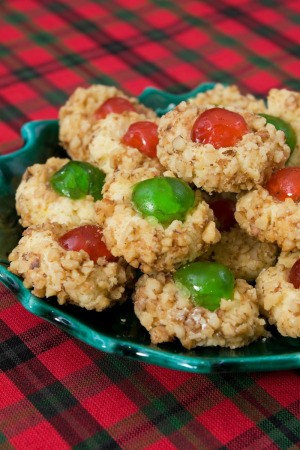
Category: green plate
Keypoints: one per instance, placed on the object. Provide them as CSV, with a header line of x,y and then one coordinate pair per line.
x,y
117,330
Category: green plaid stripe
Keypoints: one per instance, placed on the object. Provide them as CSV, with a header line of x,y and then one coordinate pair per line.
x,y
162,413
282,428
156,71
106,401
13,353
102,439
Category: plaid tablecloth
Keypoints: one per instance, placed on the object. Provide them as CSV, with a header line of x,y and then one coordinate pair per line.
x,y
56,392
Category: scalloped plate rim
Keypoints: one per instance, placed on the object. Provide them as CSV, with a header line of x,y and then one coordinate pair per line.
x,y
27,134
124,347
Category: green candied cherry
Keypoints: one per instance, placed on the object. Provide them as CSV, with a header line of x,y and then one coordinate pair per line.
x,y
76,179
280,124
164,198
207,283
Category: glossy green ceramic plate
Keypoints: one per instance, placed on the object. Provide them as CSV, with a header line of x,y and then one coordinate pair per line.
x,y
117,330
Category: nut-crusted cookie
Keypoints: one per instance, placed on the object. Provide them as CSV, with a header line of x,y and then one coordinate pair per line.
x,y
70,275
286,105
144,242
168,312
270,220
278,298
244,255
37,202
227,169
77,117
106,149
229,96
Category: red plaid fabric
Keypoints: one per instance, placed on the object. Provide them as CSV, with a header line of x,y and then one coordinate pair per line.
x,y
57,392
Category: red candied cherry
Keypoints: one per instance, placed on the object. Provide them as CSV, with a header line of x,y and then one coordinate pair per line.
x,y
116,105
89,239
219,127
143,136
224,209
285,183
294,275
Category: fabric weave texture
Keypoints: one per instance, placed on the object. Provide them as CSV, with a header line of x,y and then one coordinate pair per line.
x,y
57,392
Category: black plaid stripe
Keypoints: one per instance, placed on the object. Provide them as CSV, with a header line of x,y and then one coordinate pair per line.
x,y
128,54
231,384
52,400
167,414
12,114
31,376
101,440
251,439
194,436
261,29
38,337
13,353
66,415
125,51
164,410
59,51
118,368
172,413
282,428
56,403
228,41
4,444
